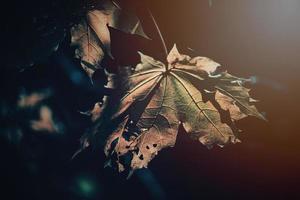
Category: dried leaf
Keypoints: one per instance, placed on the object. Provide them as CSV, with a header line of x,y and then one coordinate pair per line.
x,y
158,98
232,96
92,38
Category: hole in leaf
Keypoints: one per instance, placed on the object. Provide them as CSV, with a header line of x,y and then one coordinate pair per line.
x,y
154,145
141,157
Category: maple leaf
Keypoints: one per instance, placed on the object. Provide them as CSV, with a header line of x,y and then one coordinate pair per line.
x,y
156,99
91,36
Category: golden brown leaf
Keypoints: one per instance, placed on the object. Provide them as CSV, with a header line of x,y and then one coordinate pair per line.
x,y
156,99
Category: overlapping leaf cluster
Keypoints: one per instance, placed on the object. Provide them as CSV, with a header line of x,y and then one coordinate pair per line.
x,y
153,99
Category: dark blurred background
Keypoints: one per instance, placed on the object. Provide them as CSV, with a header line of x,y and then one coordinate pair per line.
x,y
250,38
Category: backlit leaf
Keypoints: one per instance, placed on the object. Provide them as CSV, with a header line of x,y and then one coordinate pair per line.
x,y
157,98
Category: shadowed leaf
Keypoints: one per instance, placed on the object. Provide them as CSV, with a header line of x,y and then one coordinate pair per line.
x,y
91,36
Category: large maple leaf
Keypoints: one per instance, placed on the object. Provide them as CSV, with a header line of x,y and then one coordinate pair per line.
x,y
156,99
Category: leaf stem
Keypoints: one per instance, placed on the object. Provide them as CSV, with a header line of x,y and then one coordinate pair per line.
x,y
159,33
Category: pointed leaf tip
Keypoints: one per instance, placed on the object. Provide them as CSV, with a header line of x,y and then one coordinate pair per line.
x,y
174,55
